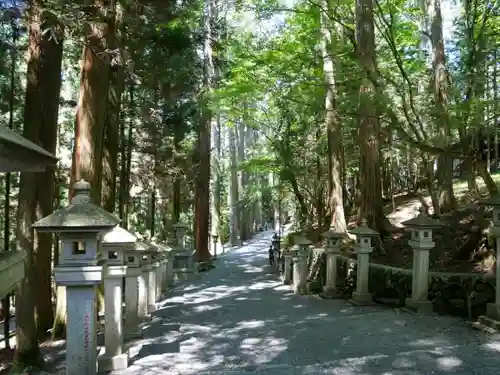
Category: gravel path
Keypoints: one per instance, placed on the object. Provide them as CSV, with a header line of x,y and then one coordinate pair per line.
x,y
238,319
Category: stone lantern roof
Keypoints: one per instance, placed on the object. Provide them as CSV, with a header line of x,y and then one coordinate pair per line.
x,y
363,230
301,241
332,233
493,201
422,221
118,236
79,216
19,154
162,247
146,246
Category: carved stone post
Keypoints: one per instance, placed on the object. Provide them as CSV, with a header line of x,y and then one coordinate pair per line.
x,y
490,322
333,241
421,242
301,251
114,244
132,259
275,242
364,236
79,227
287,268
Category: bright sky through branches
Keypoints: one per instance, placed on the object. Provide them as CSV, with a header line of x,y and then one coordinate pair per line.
x,y
450,10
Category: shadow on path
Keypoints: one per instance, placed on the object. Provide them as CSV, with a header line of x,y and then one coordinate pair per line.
x,y
239,319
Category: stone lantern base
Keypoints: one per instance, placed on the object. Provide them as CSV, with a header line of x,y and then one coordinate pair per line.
x,y
418,307
364,299
491,321
106,363
330,293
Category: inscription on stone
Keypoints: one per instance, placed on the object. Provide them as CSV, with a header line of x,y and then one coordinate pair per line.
x,y
86,338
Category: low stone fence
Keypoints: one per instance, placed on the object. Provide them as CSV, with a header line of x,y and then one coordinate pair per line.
x,y
461,294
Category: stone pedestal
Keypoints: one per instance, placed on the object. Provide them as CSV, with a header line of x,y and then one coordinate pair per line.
x,y
170,270
330,289
491,321
362,296
364,236
287,269
419,301
300,272
132,320
81,298
420,228
159,280
113,357
333,239
142,293
164,282
152,286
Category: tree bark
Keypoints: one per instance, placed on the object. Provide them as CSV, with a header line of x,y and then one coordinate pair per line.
x,y
233,190
368,138
34,299
440,81
112,120
88,149
333,127
91,113
202,193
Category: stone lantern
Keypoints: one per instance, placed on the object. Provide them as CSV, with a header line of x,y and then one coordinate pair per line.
x,y
79,227
165,264
333,243
132,292
491,320
215,238
180,234
420,228
143,249
149,266
114,244
300,257
158,259
287,264
183,259
364,247
275,242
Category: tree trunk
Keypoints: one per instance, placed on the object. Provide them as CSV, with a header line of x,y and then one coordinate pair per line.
x,y
242,224
213,70
334,129
34,299
496,107
234,189
202,193
371,194
112,138
88,148
176,193
440,81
